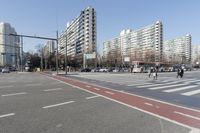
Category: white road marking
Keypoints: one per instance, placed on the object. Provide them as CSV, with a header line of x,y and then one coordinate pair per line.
x,y
88,86
55,89
92,97
14,94
59,104
32,84
193,117
109,92
167,86
140,84
157,84
6,115
181,88
149,104
192,81
190,93
8,86
96,89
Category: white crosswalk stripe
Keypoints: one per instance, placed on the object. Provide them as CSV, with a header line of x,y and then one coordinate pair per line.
x,y
181,88
190,93
160,84
168,86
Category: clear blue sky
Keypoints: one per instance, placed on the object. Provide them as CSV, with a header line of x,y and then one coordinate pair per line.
x,y
44,17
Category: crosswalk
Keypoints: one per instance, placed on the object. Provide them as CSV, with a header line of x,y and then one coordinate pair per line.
x,y
185,87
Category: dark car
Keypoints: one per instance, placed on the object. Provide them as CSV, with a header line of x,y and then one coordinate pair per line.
x,y
86,70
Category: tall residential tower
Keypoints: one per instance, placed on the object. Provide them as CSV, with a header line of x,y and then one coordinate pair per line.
x,y
144,44
81,36
9,46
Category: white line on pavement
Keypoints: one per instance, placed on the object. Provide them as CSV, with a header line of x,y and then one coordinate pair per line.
x,y
8,86
181,88
92,97
6,115
14,94
149,104
59,104
55,89
167,86
193,117
96,89
158,84
32,84
190,93
109,92
88,86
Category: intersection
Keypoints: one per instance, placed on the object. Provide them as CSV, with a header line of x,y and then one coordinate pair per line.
x,y
31,102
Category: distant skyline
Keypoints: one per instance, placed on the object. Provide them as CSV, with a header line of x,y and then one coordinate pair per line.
x,y
43,18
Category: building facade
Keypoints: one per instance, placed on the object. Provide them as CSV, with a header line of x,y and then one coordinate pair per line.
x,y
80,35
145,44
178,50
9,46
195,54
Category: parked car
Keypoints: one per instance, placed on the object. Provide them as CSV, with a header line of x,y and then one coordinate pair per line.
x,y
5,70
86,70
103,70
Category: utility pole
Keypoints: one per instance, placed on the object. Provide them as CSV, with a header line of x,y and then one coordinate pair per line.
x,y
22,53
57,52
66,54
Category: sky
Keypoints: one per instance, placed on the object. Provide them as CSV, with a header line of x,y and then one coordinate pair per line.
x,y
45,17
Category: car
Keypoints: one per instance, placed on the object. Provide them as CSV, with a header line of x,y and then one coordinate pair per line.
x,y
5,70
103,70
86,70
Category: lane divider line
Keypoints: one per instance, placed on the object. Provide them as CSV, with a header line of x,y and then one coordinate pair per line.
x,y
14,94
111,93
92,97
7,115
59,104
8,86
149,104
88,86
96,89
55,89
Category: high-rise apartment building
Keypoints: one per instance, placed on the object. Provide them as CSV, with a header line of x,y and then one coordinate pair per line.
x,y
144,44
195,54
9,46
178,50
80,35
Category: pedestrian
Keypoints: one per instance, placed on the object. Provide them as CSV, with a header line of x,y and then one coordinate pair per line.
x,y
181,72
149,72
178,73
154,74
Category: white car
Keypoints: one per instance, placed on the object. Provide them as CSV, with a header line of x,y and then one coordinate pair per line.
x,y
5,70
103,70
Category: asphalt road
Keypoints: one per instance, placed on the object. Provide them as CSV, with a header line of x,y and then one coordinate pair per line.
x,y
34,103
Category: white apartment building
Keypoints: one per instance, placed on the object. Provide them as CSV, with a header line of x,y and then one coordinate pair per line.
x,y
144,44
195,54
80,35
49,48
9,46
178,50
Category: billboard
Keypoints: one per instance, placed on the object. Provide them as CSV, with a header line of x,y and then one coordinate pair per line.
x,y
90,56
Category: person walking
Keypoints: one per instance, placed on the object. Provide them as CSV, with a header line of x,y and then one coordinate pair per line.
x,y
156,72
181,72
178,73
